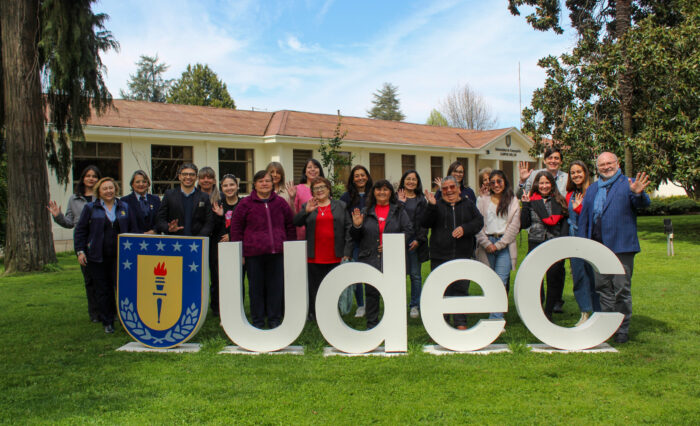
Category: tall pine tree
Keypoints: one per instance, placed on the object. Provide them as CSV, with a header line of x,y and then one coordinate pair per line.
x,y
199,85
386,104
148,83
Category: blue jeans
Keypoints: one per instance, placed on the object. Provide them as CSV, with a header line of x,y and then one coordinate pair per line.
x,y
358,289
584,285
414,271
500,262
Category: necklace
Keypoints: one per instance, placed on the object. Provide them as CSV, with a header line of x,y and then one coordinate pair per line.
x,y
324,209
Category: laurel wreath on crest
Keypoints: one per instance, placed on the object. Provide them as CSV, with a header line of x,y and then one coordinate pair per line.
x,y
131,319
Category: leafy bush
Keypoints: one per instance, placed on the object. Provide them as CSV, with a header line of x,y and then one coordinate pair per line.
x,y
671,205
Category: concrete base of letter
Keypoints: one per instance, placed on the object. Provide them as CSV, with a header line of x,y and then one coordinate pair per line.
x,y
183,348
377,352
488,350
541,347
237,350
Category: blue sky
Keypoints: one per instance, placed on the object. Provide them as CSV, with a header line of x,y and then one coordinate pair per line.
x,y
324,55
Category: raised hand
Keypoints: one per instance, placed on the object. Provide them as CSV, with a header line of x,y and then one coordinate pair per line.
x,y
218,209
524,169
54,208
173,226
438,182
430,197
525,198
357,218
640,183
311,205
578,199
401,194
291,189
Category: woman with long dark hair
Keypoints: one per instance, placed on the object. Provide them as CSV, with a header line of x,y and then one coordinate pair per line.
x,y
410,194
223,212
581,271
84,194
327,226
302,192
144,206
263,221
101,221
497,246
276,171
359,183
383,214
456,170
544,213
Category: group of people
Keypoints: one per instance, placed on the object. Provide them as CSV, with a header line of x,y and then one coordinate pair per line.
x,y
460,225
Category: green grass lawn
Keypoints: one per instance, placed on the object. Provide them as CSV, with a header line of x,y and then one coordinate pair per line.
x,y
57,367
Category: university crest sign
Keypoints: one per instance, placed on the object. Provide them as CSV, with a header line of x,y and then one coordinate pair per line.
x,y
162,287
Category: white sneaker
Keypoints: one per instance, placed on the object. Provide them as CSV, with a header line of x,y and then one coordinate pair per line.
x,y
360,312
584,317
414,312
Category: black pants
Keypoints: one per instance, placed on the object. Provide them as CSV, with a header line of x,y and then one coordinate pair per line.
x,y
104,276
317,272
457,288
266,288
93,311
556,275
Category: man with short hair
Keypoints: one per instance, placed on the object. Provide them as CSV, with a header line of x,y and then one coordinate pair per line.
x,y
185,210
609,216
552,161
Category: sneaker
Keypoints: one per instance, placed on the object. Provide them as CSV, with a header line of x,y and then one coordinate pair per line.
x,y
584,318
559,307
414,312
360,312
109,329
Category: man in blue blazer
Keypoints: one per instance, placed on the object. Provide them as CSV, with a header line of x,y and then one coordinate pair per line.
x,y
609,216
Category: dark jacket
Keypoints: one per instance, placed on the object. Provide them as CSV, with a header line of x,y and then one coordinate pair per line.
x,y
443,218
147,223
341,228
171,208
88,236
419,232
262,226
536,214
367,235
619,218
359,204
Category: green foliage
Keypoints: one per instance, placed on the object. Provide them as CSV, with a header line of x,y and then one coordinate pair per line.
x,y
332,159
580,105
199,85
57,365
69,45
436,119
671,206
386,104
148,83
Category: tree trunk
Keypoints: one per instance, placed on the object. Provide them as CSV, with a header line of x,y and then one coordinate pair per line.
x,y
29,244
623,16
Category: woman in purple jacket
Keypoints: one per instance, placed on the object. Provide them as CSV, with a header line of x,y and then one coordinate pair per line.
x,y
263,221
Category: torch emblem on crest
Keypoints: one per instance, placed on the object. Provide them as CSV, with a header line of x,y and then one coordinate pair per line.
x,y
159,273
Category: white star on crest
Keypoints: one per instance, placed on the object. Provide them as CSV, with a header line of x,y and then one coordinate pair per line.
x,y
161,246
193,247
193,267
127,264
143,245
127,245
177,246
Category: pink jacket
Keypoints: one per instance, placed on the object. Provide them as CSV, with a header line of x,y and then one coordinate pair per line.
x,y
509,237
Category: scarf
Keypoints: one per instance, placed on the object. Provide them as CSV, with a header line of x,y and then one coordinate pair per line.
x,y
537,203
602,195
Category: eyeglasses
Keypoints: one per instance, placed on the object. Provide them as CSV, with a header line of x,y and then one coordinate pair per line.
x,y
188,174
320,188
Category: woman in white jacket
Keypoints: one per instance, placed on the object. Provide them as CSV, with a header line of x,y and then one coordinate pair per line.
x,y
496,243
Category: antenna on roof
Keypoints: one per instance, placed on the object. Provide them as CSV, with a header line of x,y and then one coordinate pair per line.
x,y
338,113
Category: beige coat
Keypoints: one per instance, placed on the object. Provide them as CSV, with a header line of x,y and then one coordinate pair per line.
x,y
509,237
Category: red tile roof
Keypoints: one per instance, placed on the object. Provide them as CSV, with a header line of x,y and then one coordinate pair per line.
x,y
188,118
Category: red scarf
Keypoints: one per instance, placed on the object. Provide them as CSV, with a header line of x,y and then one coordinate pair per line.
x,y
541,210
